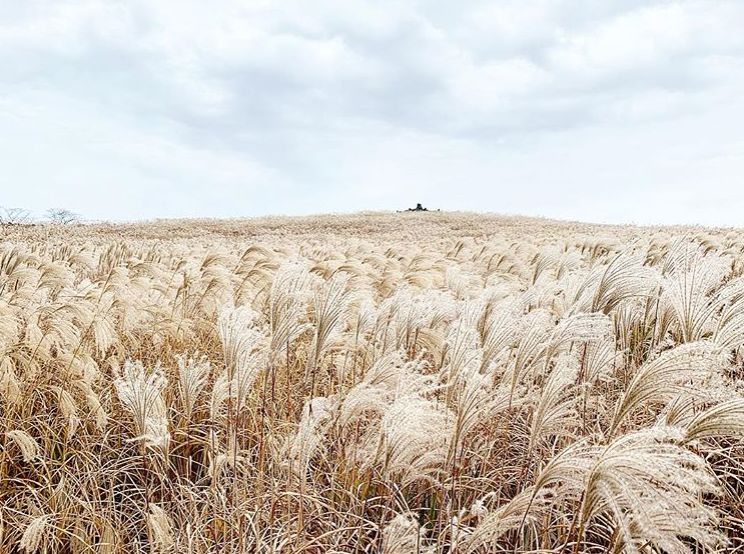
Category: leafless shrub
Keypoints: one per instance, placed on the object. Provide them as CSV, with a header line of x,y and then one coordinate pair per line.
x,y
61,216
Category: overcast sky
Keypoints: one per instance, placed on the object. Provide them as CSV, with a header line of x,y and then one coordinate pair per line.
x,y
609,111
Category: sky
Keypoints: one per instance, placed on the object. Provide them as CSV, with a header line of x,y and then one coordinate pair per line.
x,y
617,111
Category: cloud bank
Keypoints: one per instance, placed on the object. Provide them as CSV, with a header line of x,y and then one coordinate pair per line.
x,y
622,111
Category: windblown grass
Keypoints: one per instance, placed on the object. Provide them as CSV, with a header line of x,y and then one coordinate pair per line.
x,y
409,383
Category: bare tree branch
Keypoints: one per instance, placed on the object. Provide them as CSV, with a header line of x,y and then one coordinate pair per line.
x,y
14,216
61,216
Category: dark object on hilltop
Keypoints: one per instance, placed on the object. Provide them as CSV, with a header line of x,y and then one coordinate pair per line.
x,y
418,208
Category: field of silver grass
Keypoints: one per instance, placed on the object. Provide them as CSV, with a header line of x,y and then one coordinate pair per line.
x,y
394,383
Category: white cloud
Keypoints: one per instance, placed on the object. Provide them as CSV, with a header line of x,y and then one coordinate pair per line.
x,y
138,109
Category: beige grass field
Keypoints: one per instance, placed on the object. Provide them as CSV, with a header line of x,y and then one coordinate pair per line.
x,y
394,383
